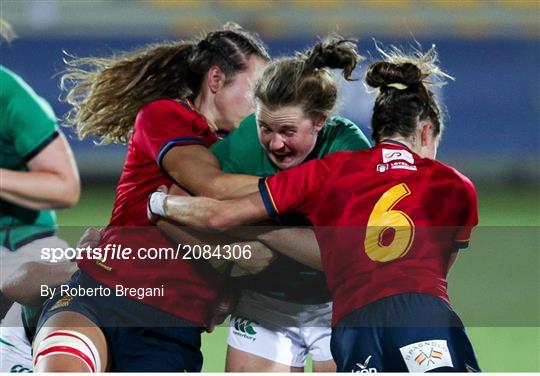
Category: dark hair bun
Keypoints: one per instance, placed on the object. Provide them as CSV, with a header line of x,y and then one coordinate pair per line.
x,y
335,53
384,73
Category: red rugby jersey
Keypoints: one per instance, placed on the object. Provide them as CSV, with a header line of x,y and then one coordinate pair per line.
x,y
189,290
386,220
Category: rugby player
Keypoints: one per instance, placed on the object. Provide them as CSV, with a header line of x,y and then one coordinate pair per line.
x,y
169,101
24,286
389,222
297,291
38,174
288,305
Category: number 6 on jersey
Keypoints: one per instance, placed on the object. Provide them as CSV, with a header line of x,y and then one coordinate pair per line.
x,y
382,220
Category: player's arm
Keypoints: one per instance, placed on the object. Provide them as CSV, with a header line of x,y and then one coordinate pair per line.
x,y
260,256
24,285
207,213
296,190
195,168
298,243
52,181
165,131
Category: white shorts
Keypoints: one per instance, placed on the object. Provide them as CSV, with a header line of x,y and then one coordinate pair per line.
x,y
15,349
281,331
11,260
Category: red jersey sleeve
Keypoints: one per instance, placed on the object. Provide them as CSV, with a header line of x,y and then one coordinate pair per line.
x,y
164,124
469,214
296,190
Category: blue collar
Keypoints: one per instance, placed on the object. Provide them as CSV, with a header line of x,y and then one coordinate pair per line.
x,y
390,141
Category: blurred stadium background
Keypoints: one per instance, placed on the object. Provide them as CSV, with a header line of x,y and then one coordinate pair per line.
x,y
492,48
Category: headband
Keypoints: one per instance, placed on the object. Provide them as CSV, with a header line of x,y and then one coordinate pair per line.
x,y
397,85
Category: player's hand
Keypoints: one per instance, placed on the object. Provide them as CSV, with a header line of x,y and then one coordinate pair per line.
x,y
261,257
155,205
90,238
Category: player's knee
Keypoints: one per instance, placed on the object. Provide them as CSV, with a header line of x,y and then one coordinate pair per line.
x,y
66,351
61,363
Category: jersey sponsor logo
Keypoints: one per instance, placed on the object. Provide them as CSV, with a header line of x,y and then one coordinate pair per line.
x,y
364,368
19,368
244,327
62,302
397,155
103,265
402,166
382,167
426,355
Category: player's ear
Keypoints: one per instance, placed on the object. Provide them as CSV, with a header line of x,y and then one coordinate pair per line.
x,y
320,123
215,79
426,132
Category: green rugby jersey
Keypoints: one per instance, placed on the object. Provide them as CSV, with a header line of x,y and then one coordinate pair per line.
x,y
242,153
27,125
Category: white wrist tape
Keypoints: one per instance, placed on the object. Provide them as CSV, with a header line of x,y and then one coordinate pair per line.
x,y
157,203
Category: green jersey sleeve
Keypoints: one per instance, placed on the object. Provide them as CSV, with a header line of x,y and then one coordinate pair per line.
x,y
27,125
28,121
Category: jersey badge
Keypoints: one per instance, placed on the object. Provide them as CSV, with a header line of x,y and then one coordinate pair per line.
x,y
426,355
19,368
399,165
244,327
364,368
397,155
62,302
382,167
